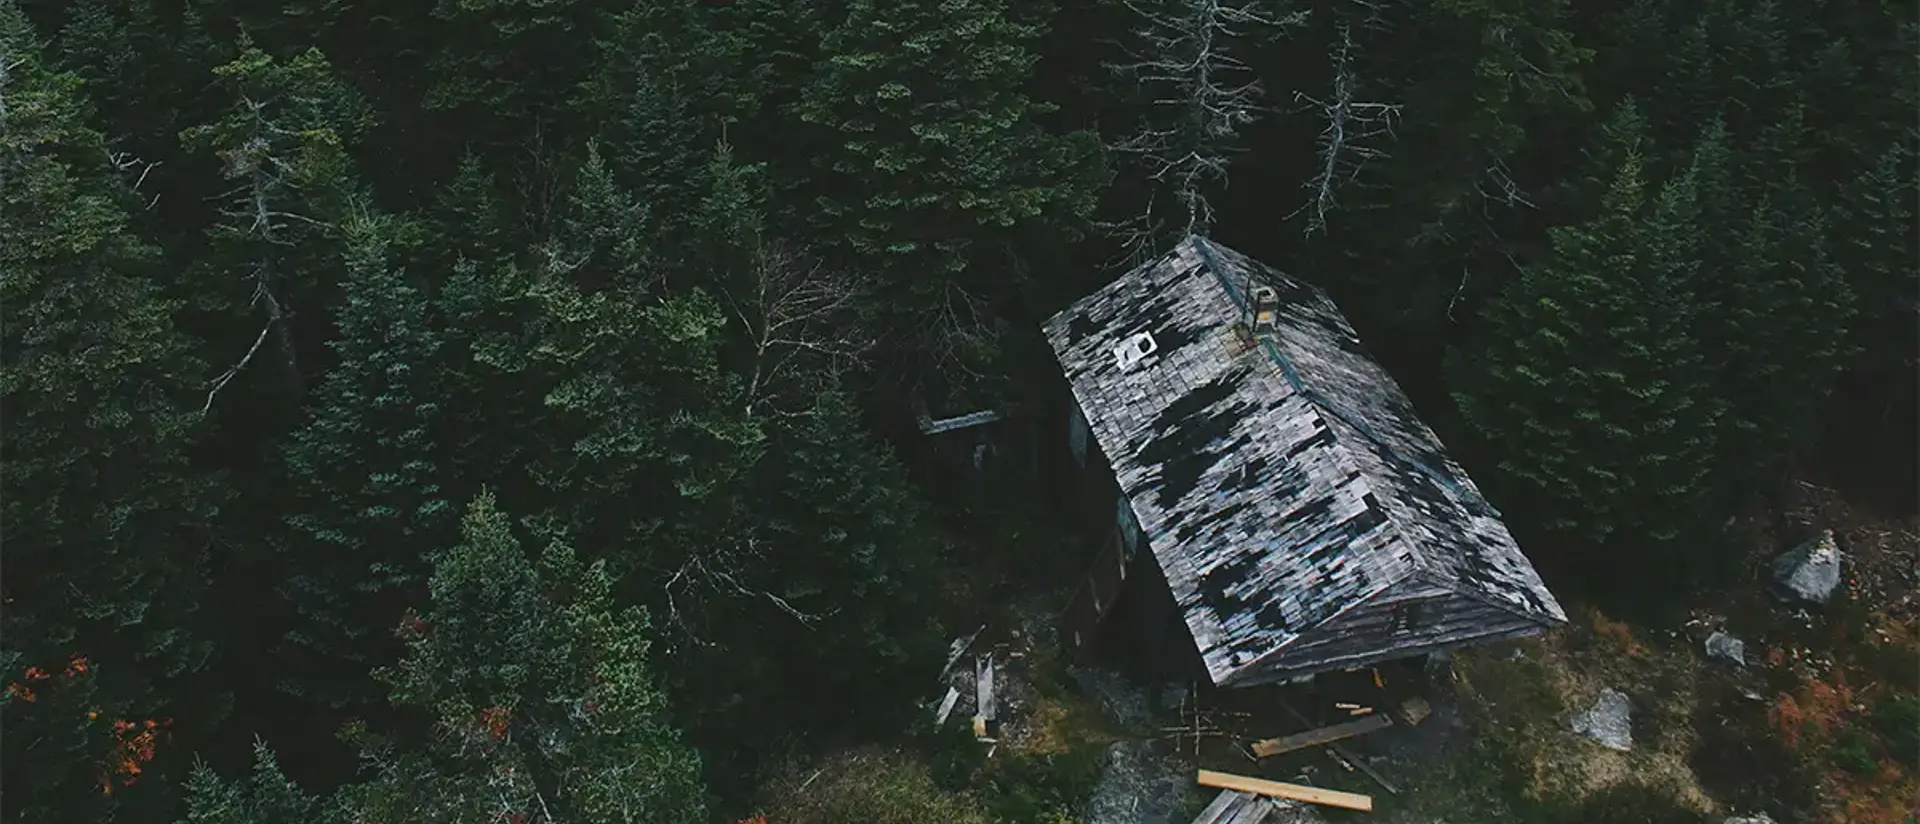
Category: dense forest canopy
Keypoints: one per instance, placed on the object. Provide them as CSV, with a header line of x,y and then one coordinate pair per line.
x,y
519,385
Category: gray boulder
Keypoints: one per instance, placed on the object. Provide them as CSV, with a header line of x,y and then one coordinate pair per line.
x,y
1726,648
1810,572
1759,818
1609,722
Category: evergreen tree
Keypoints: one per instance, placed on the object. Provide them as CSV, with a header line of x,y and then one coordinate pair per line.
x,y
1590,382
669,80
1774,317
542,692
932,155
469,219
265,796
282,141
364,500
107,521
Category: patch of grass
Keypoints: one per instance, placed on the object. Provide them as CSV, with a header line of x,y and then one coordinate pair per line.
x,y
1853,750
1897,720
870,788
1631,803
1024,787
1742,762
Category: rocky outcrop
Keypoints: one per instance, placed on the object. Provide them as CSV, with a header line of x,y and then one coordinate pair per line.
x,y
1810,573
1609,722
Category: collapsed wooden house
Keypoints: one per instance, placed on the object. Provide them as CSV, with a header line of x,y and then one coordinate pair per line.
x,y
1275,490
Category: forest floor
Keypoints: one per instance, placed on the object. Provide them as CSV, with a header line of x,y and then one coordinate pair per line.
x,y
1807,730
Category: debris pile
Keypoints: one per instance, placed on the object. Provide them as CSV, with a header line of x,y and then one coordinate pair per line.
x,y
1141,784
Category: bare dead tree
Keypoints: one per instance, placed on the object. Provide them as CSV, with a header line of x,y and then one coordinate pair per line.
x,y
1345,143
254,215
1200,94
795,311
956,327
723,572
125,163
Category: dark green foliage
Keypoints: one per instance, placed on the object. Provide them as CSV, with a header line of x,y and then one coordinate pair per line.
x,y
932,155
364,500
107,521
1897,721
1593,387
59,751
264,796
1774,318
282,144
542,695
662,273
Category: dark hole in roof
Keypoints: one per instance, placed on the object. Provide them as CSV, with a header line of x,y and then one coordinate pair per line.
x,y
1184,432
1215,584
1079,328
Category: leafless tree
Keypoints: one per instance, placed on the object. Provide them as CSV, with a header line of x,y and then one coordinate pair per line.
x,y
127,163
254,214
1346,144
795,312
1201,94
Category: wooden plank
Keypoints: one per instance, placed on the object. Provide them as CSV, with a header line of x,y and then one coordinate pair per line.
x,y
1277,789
946,706
1415,710
1342,752
1254,811
1323,735
983,682
957,649
1225,804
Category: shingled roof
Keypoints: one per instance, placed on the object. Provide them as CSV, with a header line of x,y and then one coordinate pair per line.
x,y
1279,483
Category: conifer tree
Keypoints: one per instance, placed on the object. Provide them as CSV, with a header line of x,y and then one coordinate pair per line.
x,y
282,141
1592,386
933,154
364,500
1775,317
543,696
264,796
107,520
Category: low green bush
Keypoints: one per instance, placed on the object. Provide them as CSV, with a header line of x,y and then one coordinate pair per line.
x,y
1897,721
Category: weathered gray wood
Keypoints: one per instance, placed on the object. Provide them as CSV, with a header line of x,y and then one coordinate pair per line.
x,y
1346,754
946,706
1224,805
1277,487
983,687
1254,811
1323,735
958,649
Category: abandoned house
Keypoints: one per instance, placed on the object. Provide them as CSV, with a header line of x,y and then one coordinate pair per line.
x,y
1276,494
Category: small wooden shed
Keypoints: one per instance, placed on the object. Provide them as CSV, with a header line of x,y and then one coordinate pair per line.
x,y
1271,484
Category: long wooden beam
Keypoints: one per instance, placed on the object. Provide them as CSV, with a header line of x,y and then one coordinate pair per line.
x,y
1323,735
1277,789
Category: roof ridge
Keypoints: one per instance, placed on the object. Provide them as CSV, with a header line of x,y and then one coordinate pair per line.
x,y
1320,402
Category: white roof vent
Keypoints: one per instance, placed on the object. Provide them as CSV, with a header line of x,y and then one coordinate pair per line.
x,y
1135,350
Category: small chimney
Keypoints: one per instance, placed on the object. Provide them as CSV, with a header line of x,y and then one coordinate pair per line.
x,y
1266,309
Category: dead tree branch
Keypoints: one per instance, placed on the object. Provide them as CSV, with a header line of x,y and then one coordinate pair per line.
x,y
795,311
1200,94
1344,143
